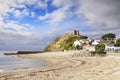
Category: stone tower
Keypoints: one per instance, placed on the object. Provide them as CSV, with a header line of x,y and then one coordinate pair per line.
x,y
75,32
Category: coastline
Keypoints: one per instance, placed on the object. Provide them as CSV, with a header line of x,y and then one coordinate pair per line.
x,y
71,67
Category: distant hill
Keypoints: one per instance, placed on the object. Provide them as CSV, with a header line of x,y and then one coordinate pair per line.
x,y
64,43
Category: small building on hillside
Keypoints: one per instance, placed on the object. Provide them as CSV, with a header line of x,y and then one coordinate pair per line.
x,y
83,43
98,40
89,40
77,43
91,48
86,46
95,43
112,48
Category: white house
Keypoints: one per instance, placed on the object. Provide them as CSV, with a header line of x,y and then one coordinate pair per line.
x,y
91,48
84,41
77,42
89,39
95,43
97,40
112,48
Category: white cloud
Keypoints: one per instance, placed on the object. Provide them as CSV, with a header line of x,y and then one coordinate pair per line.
x,y
8,6
106,11
28,2
11,41
14,33
1,18
101,15
25,12
41,4
32,14
14,28
62,13
58,3
19,13
4,8
36,3
64,3
57,16
16,36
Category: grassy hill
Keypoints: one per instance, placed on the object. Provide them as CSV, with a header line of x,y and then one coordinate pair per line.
x,y
63,43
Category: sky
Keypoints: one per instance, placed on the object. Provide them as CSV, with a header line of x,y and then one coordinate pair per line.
x,y
32,24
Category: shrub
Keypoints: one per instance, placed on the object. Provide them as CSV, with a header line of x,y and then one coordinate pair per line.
x,y
99,49
117,44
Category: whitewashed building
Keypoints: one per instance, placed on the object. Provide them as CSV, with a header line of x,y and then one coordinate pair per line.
x,y
95,43
77,42
91,48
83,43
112,48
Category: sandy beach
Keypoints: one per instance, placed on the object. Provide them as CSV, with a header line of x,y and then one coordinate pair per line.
x,y
69,65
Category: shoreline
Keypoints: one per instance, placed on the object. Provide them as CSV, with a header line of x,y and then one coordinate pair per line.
x,y
71,67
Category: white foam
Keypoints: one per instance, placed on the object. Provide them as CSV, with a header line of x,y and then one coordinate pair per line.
x,y
1,70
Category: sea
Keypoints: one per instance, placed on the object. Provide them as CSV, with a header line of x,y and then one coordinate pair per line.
x,y
13,62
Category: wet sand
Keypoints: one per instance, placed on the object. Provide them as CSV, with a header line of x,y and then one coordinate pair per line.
x,y
69,66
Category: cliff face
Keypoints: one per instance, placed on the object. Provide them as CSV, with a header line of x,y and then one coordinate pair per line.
x,y
63,43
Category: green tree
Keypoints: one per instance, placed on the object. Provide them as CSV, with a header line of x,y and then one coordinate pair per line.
x,y
108,36
117,44
99,49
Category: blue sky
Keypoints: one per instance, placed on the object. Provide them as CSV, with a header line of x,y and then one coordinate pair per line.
x,y
32,24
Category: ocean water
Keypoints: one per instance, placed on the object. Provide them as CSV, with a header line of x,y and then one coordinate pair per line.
x,y
12,62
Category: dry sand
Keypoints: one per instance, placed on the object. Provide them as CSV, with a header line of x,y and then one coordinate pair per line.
x,y
68,66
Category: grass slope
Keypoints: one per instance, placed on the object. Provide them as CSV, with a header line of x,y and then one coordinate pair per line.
x,y
63,43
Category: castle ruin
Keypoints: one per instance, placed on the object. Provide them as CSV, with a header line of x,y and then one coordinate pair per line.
x,y
75,32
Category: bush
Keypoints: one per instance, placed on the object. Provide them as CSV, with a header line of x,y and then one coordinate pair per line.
x,y
117,44
99,49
